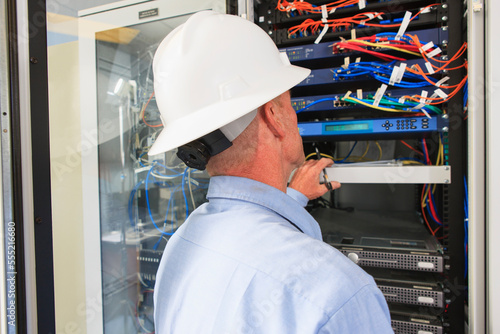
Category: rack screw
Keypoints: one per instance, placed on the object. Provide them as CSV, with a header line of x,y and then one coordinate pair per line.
x,y
444,18
33,60
38,220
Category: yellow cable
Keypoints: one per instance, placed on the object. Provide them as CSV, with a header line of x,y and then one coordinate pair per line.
x,y
379,150
439,162
366,151
322,154
370,105
380,45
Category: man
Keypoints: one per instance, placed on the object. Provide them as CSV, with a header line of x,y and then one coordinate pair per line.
x,y
252,259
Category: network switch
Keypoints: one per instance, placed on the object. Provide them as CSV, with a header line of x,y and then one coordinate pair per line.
x,y
377,239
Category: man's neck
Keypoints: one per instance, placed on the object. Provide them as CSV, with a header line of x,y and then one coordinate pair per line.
x,y
267,167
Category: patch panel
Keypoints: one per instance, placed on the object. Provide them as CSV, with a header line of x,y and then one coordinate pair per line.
x,y
311,52
332,102
327,75
432,19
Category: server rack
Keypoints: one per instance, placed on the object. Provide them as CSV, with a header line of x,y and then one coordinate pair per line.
x,y
379,232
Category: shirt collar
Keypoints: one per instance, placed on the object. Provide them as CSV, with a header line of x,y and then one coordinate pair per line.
x,y
232,187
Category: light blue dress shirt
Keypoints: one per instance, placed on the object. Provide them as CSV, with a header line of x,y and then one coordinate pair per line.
x,y
238,265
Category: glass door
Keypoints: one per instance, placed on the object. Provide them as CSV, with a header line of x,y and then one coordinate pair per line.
x,y
142,199
116,204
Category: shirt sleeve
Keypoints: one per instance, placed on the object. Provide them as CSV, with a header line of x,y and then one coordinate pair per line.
x,y
366,312
298,196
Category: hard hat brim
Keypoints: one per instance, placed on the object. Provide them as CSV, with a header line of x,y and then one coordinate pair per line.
x,y
213,117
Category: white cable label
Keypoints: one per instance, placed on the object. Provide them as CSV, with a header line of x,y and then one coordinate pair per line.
x,y
362,4
323,32
378,95
353,34
427,46
346,63
358,59
359,94
441,94
402,100
403,26
434,52
423,96
429,68
347,94
401,72
394,74
442,81
333,10
324,14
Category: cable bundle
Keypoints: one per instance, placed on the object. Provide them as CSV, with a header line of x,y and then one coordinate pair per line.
x,y
381,72
427,202
306,7
311,27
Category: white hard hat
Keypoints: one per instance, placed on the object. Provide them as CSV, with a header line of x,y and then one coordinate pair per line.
x,y
210,72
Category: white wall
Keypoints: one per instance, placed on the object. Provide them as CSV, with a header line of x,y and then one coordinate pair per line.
x,y
66,177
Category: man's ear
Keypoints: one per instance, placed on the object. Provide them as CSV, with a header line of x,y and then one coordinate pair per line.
x,y
271,115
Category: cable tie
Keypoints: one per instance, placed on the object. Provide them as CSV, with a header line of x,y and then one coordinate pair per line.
x,y
324,14
353,34
346,63
423,95
323,32
426,47
419,107
359,94
441,94
378,95
362,4
403,26
347,94
429,68
442,81
401,73
434,52
394,74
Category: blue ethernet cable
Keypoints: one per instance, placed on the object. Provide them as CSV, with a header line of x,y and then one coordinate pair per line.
x,y
348,154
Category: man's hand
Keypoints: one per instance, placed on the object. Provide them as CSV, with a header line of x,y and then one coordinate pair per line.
x,y
306,178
